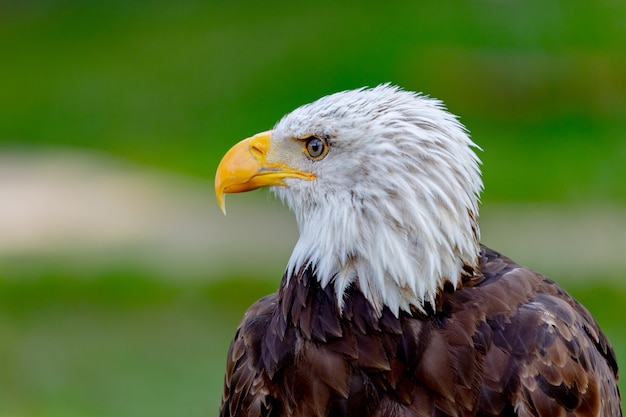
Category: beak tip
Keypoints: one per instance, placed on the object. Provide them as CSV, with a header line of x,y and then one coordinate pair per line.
x,y
219,194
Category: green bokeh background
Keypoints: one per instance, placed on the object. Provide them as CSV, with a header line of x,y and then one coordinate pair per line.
x,y
540,84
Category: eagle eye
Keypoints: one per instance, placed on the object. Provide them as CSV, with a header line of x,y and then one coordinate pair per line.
x,y
316,148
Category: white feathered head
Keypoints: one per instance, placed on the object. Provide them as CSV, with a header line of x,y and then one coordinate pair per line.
x,y
384,184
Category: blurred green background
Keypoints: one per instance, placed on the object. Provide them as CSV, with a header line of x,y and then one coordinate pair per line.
x,y
116,95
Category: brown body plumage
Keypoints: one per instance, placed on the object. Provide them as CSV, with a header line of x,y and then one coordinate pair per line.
x,y
389,305
509,342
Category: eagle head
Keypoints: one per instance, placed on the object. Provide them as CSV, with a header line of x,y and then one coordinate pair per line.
x,y
384,184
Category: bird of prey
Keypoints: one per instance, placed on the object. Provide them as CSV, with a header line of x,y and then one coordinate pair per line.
x,y
390,305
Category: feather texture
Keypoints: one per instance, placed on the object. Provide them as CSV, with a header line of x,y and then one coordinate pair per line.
x,y
389,305
508,342
394,203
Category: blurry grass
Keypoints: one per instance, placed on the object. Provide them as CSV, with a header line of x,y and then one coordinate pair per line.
x,y
127,345
117,345
174,84
540,84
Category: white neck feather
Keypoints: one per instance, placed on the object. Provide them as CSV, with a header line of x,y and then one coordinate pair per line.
x,y
402,229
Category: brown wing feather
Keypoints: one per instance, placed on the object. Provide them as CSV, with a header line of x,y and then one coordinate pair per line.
x,y
246,391
509,342
548,356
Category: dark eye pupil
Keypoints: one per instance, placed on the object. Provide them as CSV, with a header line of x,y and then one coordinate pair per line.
x,y
315,147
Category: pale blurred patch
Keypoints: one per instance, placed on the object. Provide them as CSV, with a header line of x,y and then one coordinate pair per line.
x,y
571,242
90,210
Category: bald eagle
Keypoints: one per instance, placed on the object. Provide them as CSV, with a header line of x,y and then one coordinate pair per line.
x,y
389,305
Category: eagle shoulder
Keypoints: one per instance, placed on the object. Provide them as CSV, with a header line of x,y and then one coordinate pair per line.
x,y
508,342
547,356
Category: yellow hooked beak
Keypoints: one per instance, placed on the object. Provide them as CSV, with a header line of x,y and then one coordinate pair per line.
x,y
245,168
